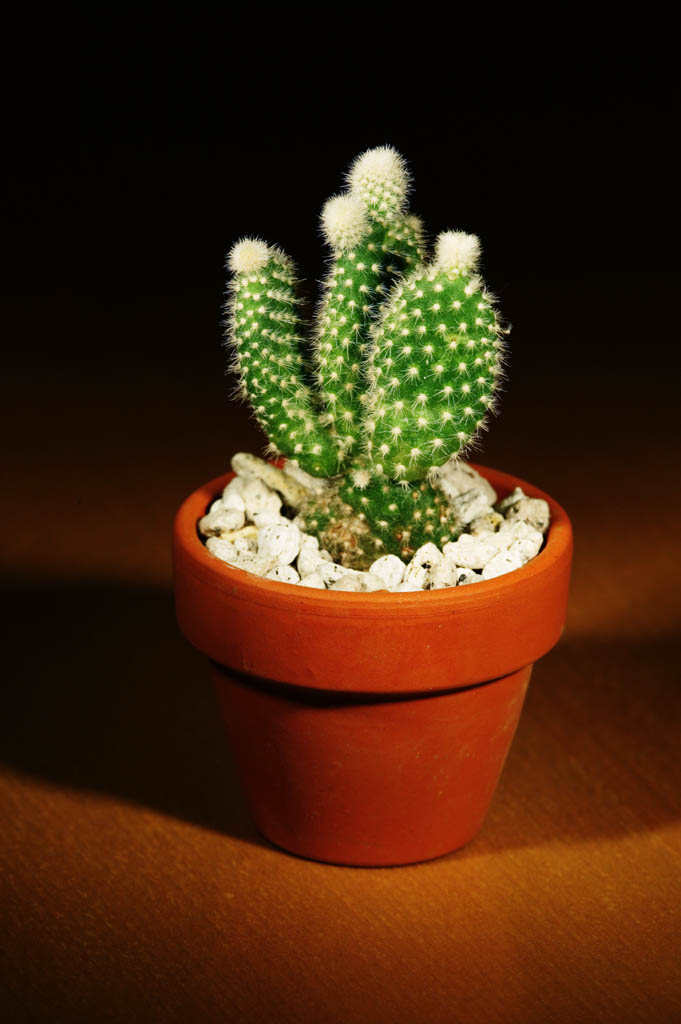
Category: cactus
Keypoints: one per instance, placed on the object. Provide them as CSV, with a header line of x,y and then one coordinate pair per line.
x,y
398,374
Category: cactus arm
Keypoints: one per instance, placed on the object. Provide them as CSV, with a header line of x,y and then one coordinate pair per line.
x,y
341,341
263,336
373,242
436,364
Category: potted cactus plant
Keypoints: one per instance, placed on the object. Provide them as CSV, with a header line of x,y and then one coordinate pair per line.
x,y
370,726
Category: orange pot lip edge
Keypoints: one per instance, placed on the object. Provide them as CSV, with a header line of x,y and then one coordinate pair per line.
x,y
206,567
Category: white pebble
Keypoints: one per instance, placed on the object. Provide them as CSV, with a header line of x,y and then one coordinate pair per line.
x,y
391,570
278,544
221,520
361,582
502,563
526,547
488,522
235,487
309,557
283,573
313,579
469,505
268,517
514,530
259,498
445,574
311,483
245,545
407,586
466,576
509,500
423,565
457,477
232,499
371,582
348,583
472,552
251,562
222,549
534,511
330,572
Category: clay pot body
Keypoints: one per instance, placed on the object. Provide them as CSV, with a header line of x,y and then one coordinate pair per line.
x,y
370,729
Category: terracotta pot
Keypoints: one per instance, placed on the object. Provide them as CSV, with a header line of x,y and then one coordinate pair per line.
x,y
370,729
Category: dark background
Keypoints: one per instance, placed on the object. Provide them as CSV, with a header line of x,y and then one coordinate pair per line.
x,y
116,237
554,191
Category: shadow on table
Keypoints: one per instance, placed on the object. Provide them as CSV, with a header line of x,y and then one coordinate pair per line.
x,y
596,751
105,695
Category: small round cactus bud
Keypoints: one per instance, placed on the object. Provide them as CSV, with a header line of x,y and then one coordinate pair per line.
x,y
455,250
248,256
344,222
380,179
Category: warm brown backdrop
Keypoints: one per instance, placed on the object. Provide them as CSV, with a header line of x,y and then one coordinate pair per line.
x,y
133,886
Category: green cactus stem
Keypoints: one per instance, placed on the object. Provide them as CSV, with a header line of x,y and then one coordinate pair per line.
x,y
263,331
434,365
406,357
373,243
403,516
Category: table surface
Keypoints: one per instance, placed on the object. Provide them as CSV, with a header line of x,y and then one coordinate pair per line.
x,y
133,884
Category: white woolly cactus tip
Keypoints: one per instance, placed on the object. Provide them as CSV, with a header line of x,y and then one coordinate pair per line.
x,y
248,256
344,222
380,178
455,250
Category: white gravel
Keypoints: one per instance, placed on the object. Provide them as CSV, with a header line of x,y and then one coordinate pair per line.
x,y
246,529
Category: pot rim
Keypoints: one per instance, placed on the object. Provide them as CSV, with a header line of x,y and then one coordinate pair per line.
x,y
198,560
